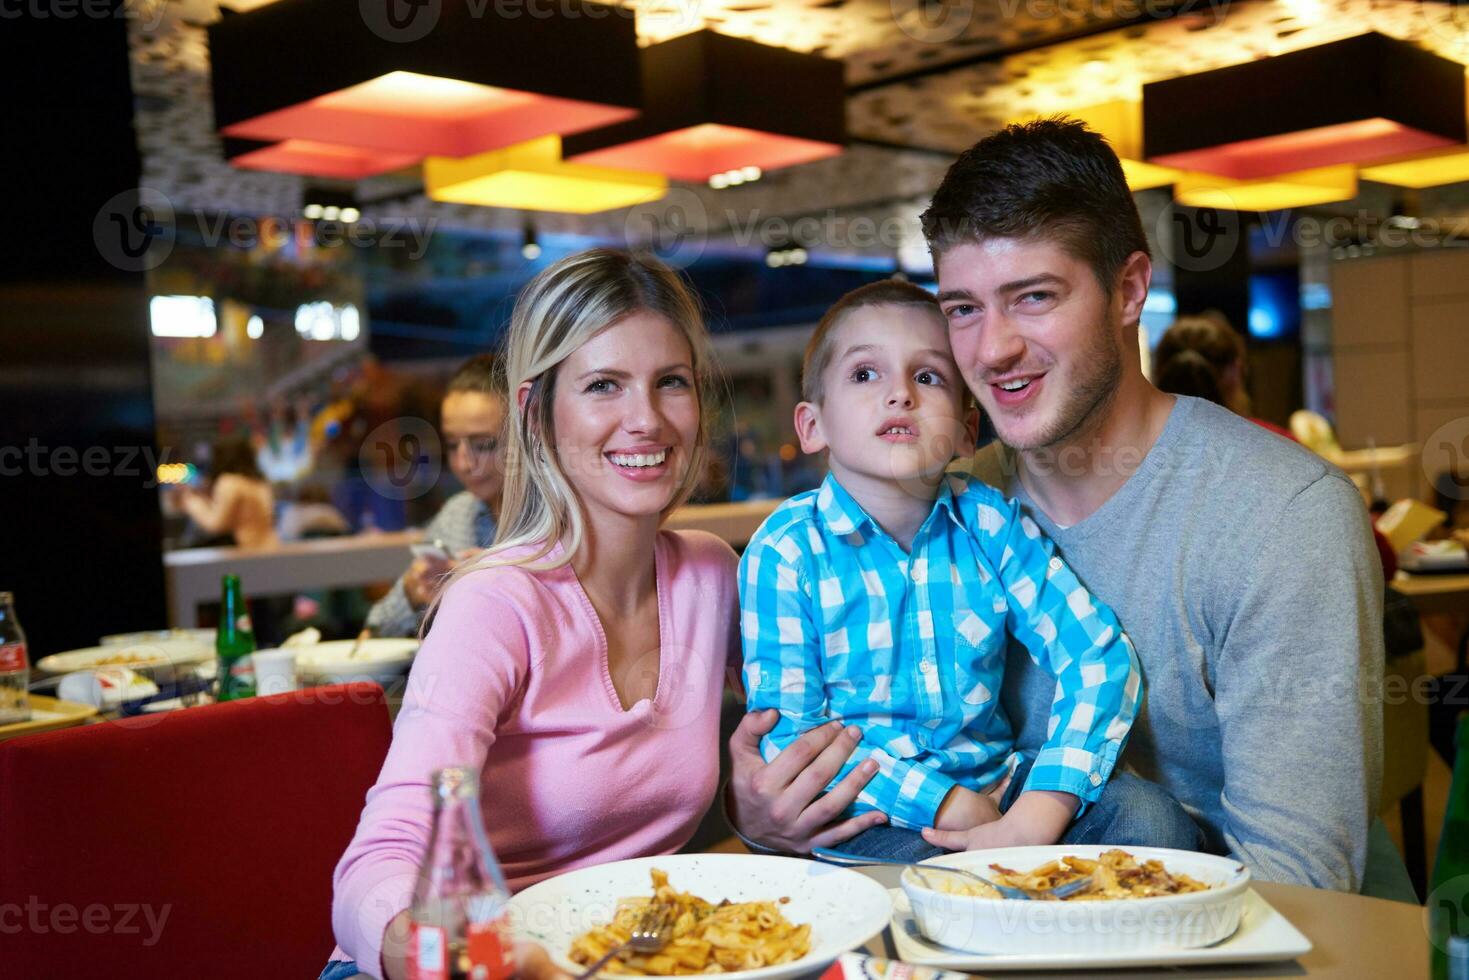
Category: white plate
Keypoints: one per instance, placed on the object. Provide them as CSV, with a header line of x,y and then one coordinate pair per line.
x,y
845,909
162,654
1264,935
204,636
996,925
379,659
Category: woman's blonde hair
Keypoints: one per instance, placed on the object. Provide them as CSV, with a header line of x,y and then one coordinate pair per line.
x,y
557,312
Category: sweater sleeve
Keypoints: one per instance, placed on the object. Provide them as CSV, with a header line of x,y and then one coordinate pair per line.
x,y
472,664
393,614
1300,729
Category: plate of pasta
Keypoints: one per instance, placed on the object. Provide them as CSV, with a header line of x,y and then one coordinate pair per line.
x,y
743,916
1138,898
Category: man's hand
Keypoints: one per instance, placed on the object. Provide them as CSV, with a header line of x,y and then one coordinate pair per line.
x,y
780,805
964,809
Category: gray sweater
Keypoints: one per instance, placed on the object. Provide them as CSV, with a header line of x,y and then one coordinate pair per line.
x,y
1243,568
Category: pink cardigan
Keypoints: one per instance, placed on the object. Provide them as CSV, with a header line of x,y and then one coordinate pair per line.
x,y
513,679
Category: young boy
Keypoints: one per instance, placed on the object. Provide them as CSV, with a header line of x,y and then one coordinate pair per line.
x,y
887,596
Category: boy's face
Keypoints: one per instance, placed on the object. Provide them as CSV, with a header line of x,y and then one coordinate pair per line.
x,y
893,403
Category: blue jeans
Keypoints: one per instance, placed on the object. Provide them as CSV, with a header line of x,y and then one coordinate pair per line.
x,y
1132,812
339,970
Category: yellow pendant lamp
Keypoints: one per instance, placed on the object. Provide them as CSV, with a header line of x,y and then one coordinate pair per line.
x,y
531,176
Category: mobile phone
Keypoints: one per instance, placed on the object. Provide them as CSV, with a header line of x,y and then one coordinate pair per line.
x,y
431,549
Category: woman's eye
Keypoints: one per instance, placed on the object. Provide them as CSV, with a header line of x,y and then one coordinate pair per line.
x,y
675,381
599,386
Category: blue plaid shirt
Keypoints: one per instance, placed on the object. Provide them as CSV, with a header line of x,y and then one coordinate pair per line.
x,y
839,622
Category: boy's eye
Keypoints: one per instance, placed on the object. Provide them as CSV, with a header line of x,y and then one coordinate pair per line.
x,y
863,375
929,378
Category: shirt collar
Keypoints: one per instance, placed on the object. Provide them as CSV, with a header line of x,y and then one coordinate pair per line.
x,y
843,515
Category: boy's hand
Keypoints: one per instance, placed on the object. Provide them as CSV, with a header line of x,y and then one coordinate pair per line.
x,y
963,809
1037,817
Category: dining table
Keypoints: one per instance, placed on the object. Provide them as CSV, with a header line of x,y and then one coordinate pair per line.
x,y
1352,936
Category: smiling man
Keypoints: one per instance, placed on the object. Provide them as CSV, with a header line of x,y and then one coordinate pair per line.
x,y
1241,565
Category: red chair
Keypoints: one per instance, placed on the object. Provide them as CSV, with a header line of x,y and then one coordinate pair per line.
x,y
194,843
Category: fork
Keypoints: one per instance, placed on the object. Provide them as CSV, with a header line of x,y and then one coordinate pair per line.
x,y
649,935
1008,891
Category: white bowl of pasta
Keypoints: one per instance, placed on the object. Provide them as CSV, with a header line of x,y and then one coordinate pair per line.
x,y
742,916
1141,898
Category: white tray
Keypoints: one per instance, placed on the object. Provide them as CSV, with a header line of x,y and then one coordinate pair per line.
x,y
1264,935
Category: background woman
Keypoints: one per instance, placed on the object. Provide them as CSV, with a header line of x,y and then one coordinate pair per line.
x,y
578,664
239,508
470,423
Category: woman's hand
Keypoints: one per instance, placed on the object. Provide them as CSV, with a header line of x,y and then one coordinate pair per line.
x,y
531,961
781,804
422,580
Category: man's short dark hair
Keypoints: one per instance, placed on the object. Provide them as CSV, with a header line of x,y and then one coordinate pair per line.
x,y
822,345
1050,178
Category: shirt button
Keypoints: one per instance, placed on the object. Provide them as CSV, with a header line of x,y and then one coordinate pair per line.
x,y
1096,779
1055,564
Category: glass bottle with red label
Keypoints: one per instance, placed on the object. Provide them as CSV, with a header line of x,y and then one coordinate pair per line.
x,y
15,666
459,902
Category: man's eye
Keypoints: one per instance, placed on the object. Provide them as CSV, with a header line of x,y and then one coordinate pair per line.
x,y
962,310
1039,296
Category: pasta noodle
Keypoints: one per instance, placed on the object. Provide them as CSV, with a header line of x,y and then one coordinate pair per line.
x,y
1116,874
706,938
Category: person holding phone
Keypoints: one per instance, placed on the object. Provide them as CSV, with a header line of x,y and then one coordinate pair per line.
x,y
471,418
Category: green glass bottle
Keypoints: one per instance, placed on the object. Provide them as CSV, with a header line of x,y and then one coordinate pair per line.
x,y
1448,899
234,643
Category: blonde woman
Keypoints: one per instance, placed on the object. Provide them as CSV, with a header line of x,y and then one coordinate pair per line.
x,y
578,664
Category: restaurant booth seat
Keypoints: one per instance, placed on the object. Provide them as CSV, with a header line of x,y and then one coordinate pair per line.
x,y
198,842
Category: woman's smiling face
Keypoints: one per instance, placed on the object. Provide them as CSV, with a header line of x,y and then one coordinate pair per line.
x,y
626,416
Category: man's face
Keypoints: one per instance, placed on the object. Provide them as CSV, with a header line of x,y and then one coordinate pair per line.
x,y
1037,339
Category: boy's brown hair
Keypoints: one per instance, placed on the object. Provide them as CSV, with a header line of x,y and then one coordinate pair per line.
x,y
819,349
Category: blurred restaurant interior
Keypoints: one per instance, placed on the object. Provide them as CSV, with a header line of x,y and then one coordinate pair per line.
x,y
259,237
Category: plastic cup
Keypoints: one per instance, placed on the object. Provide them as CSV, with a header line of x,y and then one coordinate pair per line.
x,y
275,671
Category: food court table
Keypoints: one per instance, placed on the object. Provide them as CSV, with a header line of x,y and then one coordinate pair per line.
x,y
1434,593
1351,937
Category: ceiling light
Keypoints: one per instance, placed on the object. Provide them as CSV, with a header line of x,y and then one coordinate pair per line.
x,y
714,104
1362,99
1430,170
469,81
533,177
1297,190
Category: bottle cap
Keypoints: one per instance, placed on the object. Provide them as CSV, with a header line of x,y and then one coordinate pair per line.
x,y
454,782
